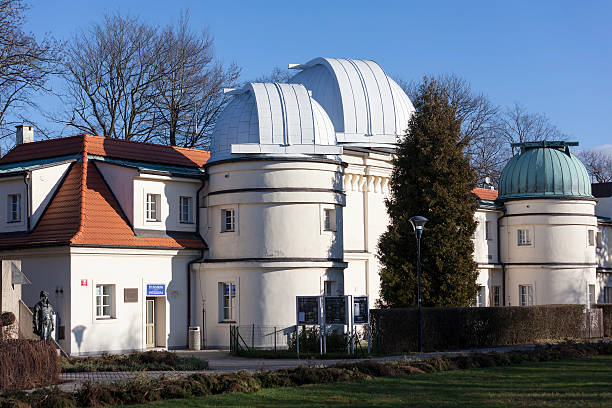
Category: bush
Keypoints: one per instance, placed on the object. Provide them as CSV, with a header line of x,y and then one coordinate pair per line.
x,y
28,364
395,330
607,317
143,390
137,361
310,341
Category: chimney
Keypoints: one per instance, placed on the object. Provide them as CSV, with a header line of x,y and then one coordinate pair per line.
x,y
24,134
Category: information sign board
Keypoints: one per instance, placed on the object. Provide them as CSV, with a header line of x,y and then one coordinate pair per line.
x,y
156,289
361,312
308,310
335,309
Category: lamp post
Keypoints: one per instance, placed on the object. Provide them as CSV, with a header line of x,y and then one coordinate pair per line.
x,y
418,223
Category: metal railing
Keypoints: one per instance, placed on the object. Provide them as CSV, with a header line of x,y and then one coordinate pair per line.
x,y
251,337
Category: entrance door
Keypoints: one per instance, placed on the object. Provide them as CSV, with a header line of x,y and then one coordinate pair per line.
x,y
150,322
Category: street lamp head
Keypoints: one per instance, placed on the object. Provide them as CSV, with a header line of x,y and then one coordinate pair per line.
x,y
418,222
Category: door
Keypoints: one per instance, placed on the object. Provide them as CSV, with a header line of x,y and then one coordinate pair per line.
x,y
150,322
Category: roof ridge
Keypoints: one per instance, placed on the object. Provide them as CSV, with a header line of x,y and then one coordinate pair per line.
x,y
82,192
87,135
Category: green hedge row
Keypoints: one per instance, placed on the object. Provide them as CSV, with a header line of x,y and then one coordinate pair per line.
x,y
607,318
395,330
27,364
143,390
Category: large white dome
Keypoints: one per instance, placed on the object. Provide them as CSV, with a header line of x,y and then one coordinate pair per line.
x,y
366,106
273,119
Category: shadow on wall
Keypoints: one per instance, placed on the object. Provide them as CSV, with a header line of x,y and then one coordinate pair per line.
x,y
176,301
78,332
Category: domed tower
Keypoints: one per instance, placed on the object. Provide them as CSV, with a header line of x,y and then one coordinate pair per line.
x,y
547,234
273,216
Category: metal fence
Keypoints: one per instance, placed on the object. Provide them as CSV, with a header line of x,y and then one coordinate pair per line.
x,y
251,336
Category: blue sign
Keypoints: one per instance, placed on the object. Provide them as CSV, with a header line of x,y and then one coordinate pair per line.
x,y
157,289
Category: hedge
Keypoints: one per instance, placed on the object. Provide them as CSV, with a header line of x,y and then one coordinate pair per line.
x,y
395,330
607,317
144,390
27,364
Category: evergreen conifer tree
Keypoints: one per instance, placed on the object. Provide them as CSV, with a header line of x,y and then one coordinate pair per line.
x,y
432,177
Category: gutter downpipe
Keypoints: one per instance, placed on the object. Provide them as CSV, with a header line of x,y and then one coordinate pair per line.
x,y
27,177
193,261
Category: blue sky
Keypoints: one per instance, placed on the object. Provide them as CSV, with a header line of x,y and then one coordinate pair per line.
x,y
554,57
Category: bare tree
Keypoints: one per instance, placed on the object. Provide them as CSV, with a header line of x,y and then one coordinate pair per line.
x,y
190,95
598,164
278,74
111,72
25,64
517,126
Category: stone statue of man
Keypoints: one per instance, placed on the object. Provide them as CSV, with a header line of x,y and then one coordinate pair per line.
x,y
43,317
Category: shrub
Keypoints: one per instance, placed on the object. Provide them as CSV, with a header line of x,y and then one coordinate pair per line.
x,y
310,341
28,364
137,361
395,330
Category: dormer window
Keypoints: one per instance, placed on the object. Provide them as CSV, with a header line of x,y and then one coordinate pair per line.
x,y
152,210
14,208
186,210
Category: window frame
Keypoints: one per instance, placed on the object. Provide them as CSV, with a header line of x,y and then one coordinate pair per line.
x,y
228,301
110,305
149,210
330,288
224,220
525,239
529,295
329,219
591,299
188,213
607,294
590,237
488,236
496,296
480,296
10,211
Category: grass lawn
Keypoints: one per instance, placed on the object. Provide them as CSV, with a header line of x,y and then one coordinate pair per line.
x,y
568,383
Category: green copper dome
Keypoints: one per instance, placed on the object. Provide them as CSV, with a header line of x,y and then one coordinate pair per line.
x,y
544,170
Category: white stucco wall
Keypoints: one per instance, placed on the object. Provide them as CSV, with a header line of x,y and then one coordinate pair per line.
x,y
12,185
44,183
127,268
170,190
121,181
485,250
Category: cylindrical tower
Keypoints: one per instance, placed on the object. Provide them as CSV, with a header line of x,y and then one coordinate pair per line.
x,y
273,212
548,230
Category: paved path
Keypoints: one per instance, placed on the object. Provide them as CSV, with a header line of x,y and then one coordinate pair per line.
x,y
220,361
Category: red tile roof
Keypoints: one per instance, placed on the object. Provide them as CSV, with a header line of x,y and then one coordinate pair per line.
x,y
103,146
85,212
485,193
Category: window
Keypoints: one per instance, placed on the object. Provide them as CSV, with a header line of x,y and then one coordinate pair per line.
x,y
228,220
591,236
153,207
227,298
104,301
591,295
599,240
329,219
607,294
496,296
186,210
525,295
488,235
480,297
523,237
329,288
14,207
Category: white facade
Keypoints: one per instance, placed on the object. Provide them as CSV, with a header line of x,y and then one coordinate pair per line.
x,y
290,203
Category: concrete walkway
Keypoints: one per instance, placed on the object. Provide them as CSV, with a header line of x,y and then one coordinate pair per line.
x,y
219,361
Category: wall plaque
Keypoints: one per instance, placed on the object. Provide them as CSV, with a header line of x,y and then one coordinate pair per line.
x,y
130,295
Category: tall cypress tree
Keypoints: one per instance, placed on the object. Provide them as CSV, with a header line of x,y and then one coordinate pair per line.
x,y
432,177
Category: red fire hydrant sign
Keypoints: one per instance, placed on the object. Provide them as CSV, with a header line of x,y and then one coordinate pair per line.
x,y
83,282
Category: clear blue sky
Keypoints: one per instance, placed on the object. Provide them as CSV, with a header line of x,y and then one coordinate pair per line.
x,y
555,57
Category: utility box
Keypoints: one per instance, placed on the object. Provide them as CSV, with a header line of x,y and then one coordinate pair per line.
x,y
194,338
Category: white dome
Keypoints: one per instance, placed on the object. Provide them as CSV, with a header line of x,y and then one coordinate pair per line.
x,y
366,106
274,119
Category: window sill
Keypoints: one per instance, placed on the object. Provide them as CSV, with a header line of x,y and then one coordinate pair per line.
x,y
228,231
227,322
105,320
187,222
13,221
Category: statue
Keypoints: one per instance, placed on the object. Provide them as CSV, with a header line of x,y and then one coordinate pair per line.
x,y
43,317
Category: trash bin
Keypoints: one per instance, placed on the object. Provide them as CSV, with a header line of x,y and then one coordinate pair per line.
x,y
194,337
